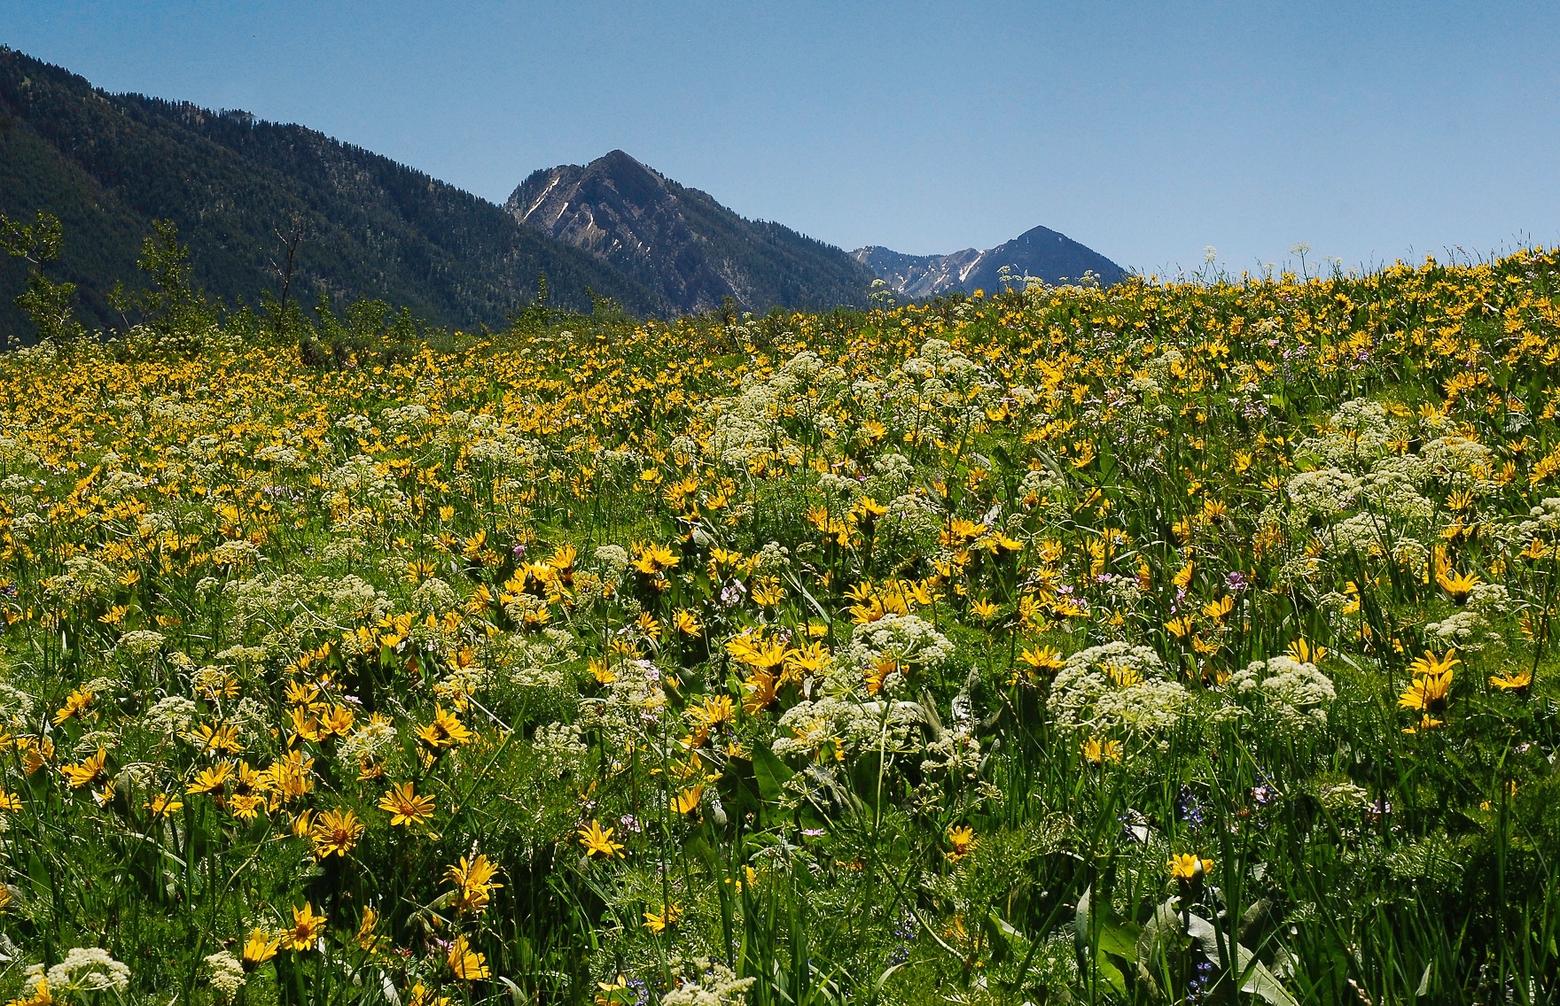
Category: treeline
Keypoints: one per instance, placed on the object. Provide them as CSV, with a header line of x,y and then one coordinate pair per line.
x,y
165,307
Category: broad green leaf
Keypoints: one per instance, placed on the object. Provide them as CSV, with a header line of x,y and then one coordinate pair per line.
x,y
1255,978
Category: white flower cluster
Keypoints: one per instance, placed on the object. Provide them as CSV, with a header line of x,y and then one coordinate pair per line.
x,y
141,642
747,425
854,725
909,640
909,527
891,473
226,974
87,969
16,708
559,748
84,578
1465,629
371,738
171,715
1358,431
1294,693
1116,687
713,984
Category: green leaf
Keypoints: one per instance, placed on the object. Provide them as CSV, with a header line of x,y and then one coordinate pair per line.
x,y
771,773
1255,978
1112,939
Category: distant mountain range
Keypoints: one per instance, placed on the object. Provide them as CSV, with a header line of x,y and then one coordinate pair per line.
x,y
238,187
1039,252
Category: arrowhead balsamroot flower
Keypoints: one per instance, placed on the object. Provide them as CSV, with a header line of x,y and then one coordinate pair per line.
x,y
1187,866
335,832
465,963
598,841
473,880
405,807
260,947
304,932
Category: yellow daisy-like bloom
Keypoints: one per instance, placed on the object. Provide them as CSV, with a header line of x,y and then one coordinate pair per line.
x,y
260,947
446,731
75,703
421,995
962,839
305,929
1517,681
368,937
1099,751
658,922
405,807
1427,694
1458,585
1431,665
335,832
1187,866
86,771
474,885
467,964
598,841
163,805
687,800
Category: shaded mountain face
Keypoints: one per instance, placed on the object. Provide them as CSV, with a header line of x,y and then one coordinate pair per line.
x,y
680,242
107,165
1038,252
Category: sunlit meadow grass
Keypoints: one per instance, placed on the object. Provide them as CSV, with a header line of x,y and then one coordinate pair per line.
x,y
1166,643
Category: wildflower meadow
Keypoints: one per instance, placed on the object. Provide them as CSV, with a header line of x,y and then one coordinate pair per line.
x,y
1173,642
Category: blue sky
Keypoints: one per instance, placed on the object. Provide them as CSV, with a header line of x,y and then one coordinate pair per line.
x,y
1148,133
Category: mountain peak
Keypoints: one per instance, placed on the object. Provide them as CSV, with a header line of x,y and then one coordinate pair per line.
x,y
618,160
1039,251
680,241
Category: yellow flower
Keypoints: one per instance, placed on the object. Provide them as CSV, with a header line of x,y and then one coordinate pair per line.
x,y
1431,665
41,996
1516,681
1428,693
260,947
614,993
367,938
657,922
962,839
1100,751
1122,675
86,771
467,964
1186,866
305,930
75,703
687,623
473,880
598,841
446,731
163,804
406,807
212,778
1458,585
335,832
419,995
687,801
